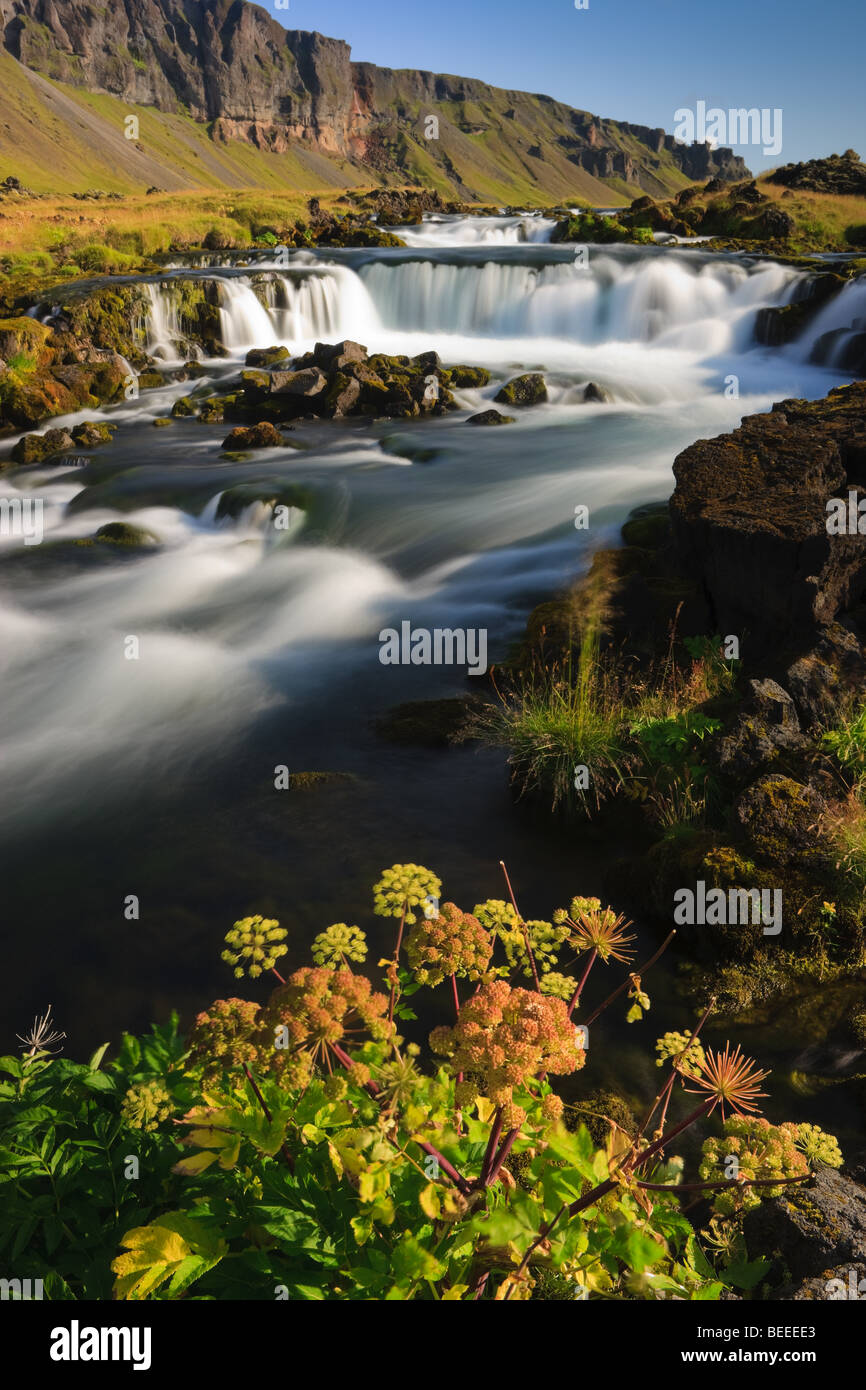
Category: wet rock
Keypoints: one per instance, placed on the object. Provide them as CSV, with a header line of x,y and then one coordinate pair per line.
x,y
781,818
91,433
150,381
183,407
427,723
343,395
767,723
161,421
264,435
593,392
468,376
811,1229
267,357
333,356
523,391
124,533
34,448
490,417
310,381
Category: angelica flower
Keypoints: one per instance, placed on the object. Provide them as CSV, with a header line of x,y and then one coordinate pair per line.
x,y
253,946
404,886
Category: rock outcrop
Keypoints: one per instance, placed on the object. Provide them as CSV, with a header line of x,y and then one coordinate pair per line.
x,y
750,518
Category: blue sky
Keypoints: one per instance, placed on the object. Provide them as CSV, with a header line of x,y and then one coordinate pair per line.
x,y
632,60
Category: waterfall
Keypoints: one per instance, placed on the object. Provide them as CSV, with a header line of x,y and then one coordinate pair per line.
x,y
611,299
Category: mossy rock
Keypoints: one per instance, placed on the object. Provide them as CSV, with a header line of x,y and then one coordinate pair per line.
x,y
161,421
596,1112
468,376
427,723
150,381
124,533
523,391
22,336
35,448
92,433
183,407
491,417
267,357
648,526
308,781
780,817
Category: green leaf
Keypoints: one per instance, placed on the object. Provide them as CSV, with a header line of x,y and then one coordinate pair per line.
x,y
410,1260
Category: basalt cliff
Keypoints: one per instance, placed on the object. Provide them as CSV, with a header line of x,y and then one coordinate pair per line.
x,y
231,69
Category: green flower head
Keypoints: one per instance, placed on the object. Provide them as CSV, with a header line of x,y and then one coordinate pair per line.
x,y
560,986
674,1045
253,946
339,944
404,885
145,1106
818,1146
495,915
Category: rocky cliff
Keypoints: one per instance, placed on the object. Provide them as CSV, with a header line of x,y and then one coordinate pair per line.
x,y
231,65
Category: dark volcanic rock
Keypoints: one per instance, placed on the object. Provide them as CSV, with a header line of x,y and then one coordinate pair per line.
x,y
780,818
490,417
844,173
750,517
767,723
813,1228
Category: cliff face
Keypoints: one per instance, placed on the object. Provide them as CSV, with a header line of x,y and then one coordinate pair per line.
x,y
230,64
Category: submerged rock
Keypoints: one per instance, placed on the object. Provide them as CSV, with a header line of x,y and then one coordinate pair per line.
x,y
490,417
124,533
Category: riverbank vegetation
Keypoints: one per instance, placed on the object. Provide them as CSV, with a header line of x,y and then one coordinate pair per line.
x,y
299,1146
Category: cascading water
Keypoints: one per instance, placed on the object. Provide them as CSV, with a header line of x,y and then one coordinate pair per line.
x,y
259,646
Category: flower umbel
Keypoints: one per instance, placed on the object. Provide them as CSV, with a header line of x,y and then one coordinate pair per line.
x,y
404,884
732,1080
253,946
339,944
454,943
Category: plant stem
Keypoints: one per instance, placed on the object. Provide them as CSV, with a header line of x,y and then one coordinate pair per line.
x,y
493,1140
575,998
372,1089
397,959
505,1150
268,1116
642,971
521,924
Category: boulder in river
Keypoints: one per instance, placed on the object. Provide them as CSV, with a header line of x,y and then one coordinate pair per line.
x,y
263,435
523,391
124,533
34,448
490,417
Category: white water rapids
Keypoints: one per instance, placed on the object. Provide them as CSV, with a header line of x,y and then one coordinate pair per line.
x,y
432,521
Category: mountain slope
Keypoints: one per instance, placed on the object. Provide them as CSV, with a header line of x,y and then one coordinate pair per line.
x,y
226,97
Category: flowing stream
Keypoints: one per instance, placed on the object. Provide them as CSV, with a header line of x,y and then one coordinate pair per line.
x,y
259,648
